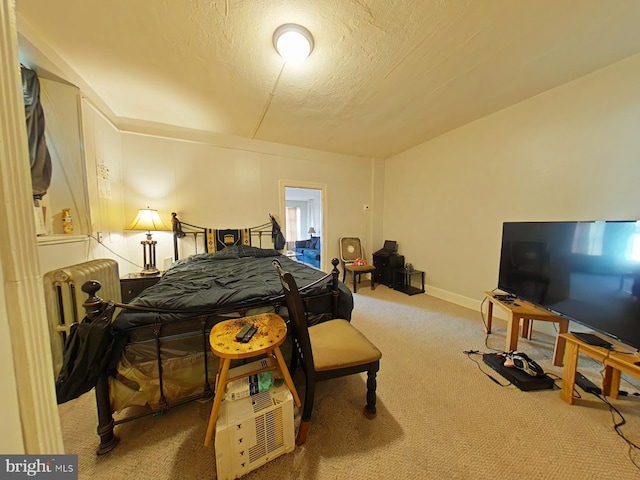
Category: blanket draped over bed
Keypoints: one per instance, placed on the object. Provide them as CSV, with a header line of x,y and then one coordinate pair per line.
x,y
238,276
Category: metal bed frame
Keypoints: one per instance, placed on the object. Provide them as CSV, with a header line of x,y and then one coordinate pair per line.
x,y
200,324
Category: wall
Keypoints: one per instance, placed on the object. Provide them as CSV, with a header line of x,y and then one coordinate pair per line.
x,y
222,182
61,106
568,154
96,199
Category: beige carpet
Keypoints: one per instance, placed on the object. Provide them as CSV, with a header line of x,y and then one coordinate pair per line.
x,y
439,416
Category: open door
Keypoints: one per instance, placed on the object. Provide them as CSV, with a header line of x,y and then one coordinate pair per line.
x,y
303,214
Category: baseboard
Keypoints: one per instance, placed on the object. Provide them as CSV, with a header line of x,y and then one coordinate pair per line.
x,y
473,304
456,298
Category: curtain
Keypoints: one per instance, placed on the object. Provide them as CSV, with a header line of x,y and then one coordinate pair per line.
x,y
292,223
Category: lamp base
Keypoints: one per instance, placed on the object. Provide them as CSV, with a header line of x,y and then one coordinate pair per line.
x,y
150,271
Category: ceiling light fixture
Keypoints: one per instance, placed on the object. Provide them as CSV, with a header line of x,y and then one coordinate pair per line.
x,y
293,42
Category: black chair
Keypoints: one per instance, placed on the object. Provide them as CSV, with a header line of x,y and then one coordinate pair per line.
x,y
330,349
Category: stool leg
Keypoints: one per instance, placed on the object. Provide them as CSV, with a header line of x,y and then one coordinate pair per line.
x,y
220,387
287,378
220,365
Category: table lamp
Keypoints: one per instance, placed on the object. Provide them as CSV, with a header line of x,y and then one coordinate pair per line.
x,y
148,219
311,231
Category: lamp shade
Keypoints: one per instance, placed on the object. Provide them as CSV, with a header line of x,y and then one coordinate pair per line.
x,y
311,230
147,219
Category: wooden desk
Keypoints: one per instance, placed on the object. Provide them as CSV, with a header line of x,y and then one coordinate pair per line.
x,y
526,312
614,364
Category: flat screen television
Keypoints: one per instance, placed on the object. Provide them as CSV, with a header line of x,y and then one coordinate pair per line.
x,y
588,272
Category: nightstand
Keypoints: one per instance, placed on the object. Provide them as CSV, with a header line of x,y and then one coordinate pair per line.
x,y
385,267
133,284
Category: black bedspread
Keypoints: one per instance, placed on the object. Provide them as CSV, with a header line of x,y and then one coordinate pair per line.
x,y
234,277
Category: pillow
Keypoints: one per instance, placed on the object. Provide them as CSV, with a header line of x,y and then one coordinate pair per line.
x,y
313,242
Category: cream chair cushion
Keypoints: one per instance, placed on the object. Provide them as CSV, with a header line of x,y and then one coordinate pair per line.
x,y
359,268
338,344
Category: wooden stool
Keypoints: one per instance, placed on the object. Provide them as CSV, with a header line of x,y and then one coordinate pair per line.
x,y
271,333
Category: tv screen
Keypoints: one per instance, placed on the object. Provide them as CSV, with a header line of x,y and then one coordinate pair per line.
x,y
586,271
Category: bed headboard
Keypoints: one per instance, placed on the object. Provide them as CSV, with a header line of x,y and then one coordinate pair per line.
x,y
267,235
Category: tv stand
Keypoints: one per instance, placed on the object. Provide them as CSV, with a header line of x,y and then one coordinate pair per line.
x,y
615,363
517,310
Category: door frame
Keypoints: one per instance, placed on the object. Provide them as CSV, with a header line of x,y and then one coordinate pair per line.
x,y
283,184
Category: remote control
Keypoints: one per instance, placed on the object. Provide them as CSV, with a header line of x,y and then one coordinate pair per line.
x,y
240,335
252,330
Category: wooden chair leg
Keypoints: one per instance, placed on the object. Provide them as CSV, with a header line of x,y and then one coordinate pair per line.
x,y
303,432
370,408
305,424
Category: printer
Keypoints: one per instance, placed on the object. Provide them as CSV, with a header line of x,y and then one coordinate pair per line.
x,y
390,247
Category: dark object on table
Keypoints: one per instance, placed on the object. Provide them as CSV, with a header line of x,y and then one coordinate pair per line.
x,y
389,248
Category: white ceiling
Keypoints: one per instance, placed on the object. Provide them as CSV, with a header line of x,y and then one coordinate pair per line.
x,y
385,75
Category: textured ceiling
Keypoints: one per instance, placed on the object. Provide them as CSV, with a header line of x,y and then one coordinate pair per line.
x,y
385,75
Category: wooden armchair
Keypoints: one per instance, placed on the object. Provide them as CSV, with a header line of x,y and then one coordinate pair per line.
x,y
330,349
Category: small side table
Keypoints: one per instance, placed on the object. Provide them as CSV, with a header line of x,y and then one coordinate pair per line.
x,y
133,284
615,363
405,285
521,310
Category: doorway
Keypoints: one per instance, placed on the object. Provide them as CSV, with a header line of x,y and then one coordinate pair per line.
x,y
303,211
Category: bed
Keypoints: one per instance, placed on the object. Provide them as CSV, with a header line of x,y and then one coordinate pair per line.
x,y
160,355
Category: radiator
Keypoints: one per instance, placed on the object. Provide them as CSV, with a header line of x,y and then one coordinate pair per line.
x,y
64,298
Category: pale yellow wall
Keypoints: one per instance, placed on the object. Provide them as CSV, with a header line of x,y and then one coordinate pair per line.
x,y
61,106
237,185
568,154
103,159
227,182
